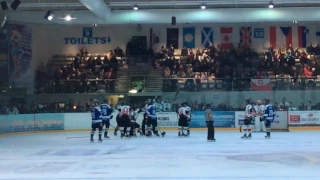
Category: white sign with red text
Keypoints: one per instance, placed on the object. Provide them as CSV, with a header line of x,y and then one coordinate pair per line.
x,y
305,118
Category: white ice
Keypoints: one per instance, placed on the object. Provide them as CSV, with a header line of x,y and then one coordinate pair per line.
x,y
288,155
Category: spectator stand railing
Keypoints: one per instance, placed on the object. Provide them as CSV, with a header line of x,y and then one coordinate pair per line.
x,y
76,86
236,84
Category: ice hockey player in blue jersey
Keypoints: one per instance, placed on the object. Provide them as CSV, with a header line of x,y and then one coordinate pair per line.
x,y
96,121
152,120
268,115
106,115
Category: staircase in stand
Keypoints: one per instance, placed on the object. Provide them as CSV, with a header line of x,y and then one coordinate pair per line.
x,y
122,81
155,82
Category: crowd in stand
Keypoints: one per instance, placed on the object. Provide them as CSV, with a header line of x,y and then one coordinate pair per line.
x,y
85,74
237,66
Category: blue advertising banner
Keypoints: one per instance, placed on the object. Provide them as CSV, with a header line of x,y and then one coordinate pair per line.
x,y
222,119
31,122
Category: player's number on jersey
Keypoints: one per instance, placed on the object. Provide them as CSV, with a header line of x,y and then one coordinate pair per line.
x,y
270,113
93,114
104,111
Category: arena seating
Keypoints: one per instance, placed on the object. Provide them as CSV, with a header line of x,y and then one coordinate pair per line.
x,y
234,69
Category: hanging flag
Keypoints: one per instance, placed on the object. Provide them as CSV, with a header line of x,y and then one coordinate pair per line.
x,y
302,36
206,36
189,37
173,37
226,37
260,85
273,36
287,32
245,37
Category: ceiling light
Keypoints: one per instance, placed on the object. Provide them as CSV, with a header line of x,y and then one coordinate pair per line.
x,y
4,5
203,7
271,5
94,25
68,18
49,16
135,8
15,4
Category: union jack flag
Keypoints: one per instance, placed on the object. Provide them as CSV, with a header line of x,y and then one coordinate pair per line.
x,y
245,37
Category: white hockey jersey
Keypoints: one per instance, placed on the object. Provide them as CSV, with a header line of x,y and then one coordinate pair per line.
x,y
183,111
124,110
259,110
249,111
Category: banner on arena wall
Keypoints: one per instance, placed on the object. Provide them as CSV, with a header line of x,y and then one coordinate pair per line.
x,y
222,119
280,120
31,122
304,118
260,84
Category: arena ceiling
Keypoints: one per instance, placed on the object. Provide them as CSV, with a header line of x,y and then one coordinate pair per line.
x,y
161,11
164,4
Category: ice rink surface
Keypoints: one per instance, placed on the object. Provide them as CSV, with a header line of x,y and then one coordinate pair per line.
x,y
288,155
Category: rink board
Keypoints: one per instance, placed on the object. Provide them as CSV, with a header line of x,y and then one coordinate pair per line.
x,y
300,120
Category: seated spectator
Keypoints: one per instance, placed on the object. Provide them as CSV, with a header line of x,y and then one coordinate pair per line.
x,y
139,85
310,49
307,71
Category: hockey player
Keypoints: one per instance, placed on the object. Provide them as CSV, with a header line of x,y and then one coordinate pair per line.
x,y
152,120
268,115
106,115
249,115
184,119
118,121
146,118
124,121
259,108
133,123
96,121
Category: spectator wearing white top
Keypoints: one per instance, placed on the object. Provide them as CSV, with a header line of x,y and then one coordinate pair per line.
x,y
309,106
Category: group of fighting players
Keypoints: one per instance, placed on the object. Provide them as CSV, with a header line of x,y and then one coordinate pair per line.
x,y
128,126
265,112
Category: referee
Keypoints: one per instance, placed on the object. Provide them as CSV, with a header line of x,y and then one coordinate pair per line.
x,y
209,121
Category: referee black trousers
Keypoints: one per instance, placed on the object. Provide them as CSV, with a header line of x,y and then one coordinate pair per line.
x,y
210,130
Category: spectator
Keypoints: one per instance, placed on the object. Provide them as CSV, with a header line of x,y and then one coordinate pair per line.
x,y
309,106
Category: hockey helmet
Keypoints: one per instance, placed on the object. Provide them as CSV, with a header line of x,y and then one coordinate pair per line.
x,y
267,100
248,101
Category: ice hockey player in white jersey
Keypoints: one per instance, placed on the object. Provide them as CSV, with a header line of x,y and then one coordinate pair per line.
x,y
259,120
249,115
96,121
184,119
106,115
268,115
124,120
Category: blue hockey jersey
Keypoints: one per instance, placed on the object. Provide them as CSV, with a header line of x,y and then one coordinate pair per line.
x,y
106,112
96,115
152,111
269,113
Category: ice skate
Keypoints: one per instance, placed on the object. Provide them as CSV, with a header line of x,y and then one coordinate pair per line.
x,y
149,134
249,137
244,136
106,135
100,140
122,135
179,134
115,134
91,140
267,136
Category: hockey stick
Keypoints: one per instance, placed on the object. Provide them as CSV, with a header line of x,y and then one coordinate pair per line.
x,y
77,137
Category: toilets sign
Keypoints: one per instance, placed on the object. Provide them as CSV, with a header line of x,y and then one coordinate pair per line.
x,y
87,38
